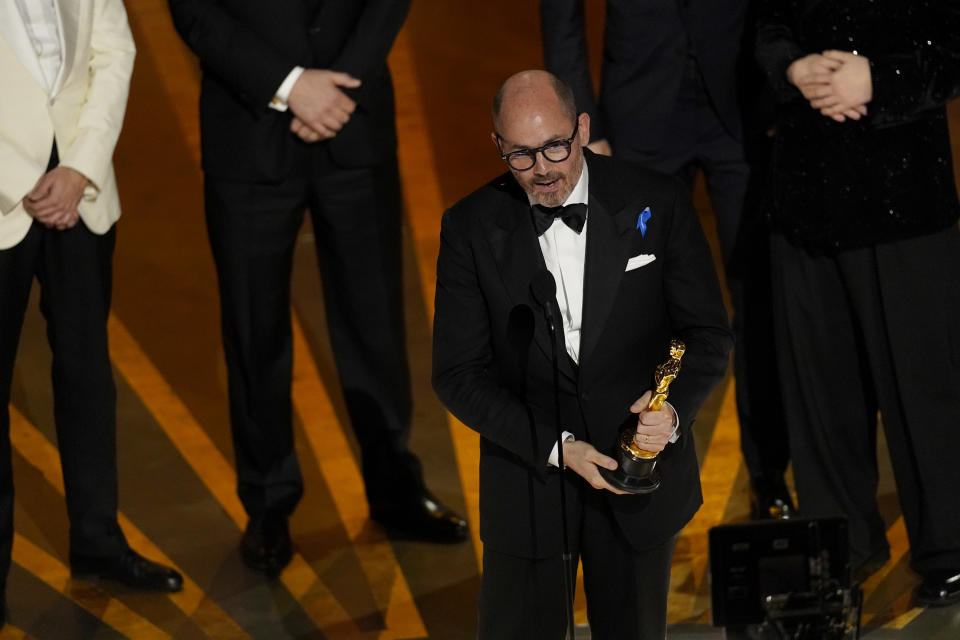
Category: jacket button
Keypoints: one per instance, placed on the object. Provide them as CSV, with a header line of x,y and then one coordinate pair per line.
x,y
313,30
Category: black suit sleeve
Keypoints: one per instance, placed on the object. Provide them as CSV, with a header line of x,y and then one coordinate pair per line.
x,y
696,311
777,47
925,77
237,55
463,357
371,40
565,55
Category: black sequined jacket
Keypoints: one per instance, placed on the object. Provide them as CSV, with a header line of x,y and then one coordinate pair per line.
x,y
888,176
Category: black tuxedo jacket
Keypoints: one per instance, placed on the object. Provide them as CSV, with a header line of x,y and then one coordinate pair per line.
x,y
247,48
492,365
646,45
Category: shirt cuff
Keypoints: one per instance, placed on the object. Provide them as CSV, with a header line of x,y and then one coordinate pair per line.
x,y
279,101
676,424
554,459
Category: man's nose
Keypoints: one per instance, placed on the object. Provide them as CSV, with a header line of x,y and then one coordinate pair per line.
x,y
541,164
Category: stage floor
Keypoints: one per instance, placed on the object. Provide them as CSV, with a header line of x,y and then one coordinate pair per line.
x,y
177,490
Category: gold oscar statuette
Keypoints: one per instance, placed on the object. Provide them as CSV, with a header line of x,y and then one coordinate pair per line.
x,y
635,472
662,377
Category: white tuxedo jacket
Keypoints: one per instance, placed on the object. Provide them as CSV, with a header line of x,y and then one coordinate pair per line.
x,y
84,110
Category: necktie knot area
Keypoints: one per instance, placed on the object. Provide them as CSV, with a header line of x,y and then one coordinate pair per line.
x,y
573,215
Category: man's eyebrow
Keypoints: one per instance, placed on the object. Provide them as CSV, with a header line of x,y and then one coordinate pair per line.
x,y
522,147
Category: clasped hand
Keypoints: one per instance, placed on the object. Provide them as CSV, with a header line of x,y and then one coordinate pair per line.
x,y
836,83
320,107
54,199
654,429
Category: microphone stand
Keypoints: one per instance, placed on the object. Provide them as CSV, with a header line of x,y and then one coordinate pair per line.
x,y
543,283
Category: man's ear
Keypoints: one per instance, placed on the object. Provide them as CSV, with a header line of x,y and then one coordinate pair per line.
x,y
583,133
493,136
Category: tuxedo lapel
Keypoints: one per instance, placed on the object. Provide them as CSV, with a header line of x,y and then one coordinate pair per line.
x,y
518,257
68,12
14,32
609,236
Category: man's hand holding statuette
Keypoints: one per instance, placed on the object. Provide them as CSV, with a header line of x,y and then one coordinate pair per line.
x,y
654,428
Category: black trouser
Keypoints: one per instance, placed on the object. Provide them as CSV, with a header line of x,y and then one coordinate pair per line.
x,y
356,215
626,590
875,328
698,139
74,268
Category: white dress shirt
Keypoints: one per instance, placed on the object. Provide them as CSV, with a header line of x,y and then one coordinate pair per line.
x,y
282,96
564,252
42,21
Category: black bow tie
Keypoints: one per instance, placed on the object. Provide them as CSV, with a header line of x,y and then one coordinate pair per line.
x,y
573,215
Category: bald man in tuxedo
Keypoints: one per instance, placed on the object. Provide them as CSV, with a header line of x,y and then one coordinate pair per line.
x,y
633,271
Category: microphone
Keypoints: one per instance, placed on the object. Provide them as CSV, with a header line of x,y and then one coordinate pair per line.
x,y
544,290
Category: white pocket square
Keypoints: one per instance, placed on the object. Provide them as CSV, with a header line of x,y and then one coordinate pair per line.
x,y
641,260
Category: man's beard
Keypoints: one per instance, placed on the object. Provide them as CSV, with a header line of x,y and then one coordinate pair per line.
x,y
550,198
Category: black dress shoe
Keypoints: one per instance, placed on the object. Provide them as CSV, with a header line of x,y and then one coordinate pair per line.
x,y
421,517
939,588
772,501
130,568
266,546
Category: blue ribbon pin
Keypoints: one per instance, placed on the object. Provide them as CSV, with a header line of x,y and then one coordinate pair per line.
x,y
642,220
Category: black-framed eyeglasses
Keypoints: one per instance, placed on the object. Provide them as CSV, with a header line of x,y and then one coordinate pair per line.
x,y
554,151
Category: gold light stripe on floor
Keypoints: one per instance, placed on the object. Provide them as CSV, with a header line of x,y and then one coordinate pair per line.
x,y
39,452
193,443
56,575
11,632
901,608
903,603
905,618
717,477
199,451
424,205
345,482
